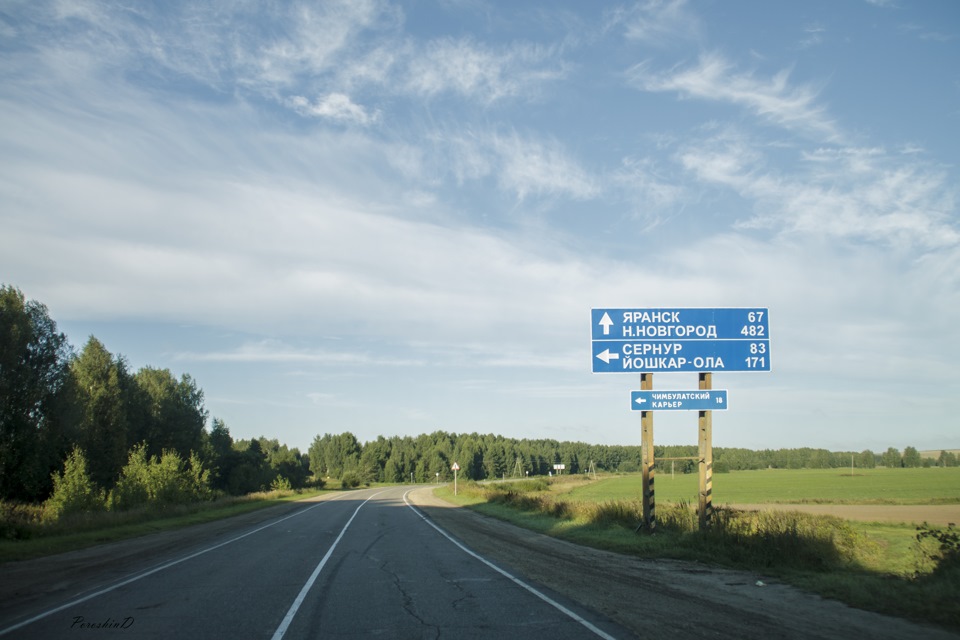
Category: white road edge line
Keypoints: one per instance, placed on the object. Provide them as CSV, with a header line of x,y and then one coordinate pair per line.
x,y
553,603
167,565
287,619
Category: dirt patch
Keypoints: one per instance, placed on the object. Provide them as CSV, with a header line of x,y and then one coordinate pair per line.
x,y
938,515
664,598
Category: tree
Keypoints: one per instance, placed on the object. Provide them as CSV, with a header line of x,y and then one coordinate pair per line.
x,y
170,412
285,463
33,409
468,455
891,458
100,384
73,490
911,457
318,455
251,472
331,456
219,454
374,458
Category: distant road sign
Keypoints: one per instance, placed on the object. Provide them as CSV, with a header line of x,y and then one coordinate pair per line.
x,y
695,400
677,340
455,467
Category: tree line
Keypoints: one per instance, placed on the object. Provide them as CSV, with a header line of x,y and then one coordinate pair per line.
x,y
64,412
57,404
429,457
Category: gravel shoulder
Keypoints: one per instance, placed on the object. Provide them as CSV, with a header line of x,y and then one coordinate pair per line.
x,y
664,598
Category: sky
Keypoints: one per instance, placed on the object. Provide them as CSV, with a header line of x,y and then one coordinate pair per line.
x,y
392,218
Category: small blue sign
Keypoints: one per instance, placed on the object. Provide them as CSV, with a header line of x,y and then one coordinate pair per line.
x,y
700,400
651,356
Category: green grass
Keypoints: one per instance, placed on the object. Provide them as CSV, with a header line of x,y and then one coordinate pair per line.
x,y
827,486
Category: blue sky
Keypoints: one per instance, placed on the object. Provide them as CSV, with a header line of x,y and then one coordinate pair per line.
x,y
393,218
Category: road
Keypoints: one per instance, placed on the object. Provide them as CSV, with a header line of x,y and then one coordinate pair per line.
x,y
363,564
400,563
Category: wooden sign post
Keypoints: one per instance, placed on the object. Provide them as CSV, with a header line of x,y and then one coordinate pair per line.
x,y
649,466
705,441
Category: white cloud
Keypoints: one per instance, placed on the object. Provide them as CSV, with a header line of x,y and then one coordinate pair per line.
x,y
540,168
657,22
842,192
314,38
814,35
337,107
713,78
651,196
464,67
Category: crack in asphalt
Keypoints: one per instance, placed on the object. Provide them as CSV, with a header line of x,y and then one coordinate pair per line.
x,y
408,601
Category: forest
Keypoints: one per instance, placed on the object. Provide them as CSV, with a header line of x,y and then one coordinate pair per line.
x,y
130,437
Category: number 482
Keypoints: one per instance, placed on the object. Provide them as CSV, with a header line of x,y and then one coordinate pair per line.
x,y
754,330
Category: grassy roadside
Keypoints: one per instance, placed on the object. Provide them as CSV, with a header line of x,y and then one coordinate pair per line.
x,y
879,567
79,533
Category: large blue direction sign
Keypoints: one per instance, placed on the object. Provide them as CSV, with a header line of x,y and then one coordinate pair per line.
x,y
701,400
679,340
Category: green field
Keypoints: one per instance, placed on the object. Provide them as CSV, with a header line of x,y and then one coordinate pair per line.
x,y
825,486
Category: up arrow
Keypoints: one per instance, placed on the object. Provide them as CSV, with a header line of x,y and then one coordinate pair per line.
x,y
606,356
606,323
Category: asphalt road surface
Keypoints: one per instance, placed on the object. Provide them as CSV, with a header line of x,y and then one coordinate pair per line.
x,y
364,564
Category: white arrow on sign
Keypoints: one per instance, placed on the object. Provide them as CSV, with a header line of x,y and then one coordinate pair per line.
x,y
640,400
607,356
606,323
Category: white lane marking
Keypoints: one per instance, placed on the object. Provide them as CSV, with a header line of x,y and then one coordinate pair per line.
x,y
553,603
287,619
167,565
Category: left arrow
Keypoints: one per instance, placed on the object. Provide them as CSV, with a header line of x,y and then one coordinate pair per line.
x,y
607,356
606,323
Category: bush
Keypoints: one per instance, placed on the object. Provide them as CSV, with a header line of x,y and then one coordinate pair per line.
x,y
351,480
19,521
944,557
73,490
159,482
280,484
789,538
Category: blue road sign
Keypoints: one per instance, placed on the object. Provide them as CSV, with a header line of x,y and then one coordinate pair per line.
x,y
670,339
651,356
686,324
701,400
